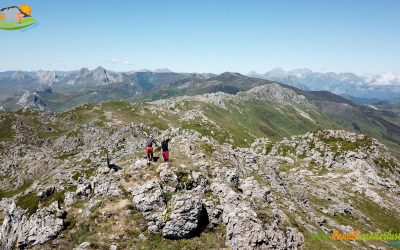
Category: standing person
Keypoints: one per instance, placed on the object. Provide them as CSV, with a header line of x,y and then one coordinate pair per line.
x,y
149,146
164,146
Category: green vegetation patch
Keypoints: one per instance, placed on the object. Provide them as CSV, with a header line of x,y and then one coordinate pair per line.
x,y
65,156
87,172
207,148
286,150
12,193
380,162
341,145
383,219
6,131
318,168
57,196
213,238
29,202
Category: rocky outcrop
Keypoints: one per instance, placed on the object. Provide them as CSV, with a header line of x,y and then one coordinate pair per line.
x,y
104,184
20,230
32,100
275,93
184,216
149,199
244,230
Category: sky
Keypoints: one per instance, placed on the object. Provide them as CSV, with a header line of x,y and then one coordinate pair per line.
x,y
360,36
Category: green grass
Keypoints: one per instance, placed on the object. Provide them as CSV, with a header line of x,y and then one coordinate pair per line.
x,y
210,239
6,131
380,162
65,156
382,218
341,145
29,202
12,193
319,169
87,172
261,180
57,196
56,132
244,121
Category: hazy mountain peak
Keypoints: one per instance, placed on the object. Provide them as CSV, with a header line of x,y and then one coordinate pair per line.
x,y
83,71
382,86
301,72
99,69
227,73
254,74
48,77
387,78
163,70
19,75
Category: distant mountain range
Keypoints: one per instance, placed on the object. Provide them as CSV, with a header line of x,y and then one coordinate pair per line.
x,y
379,87
59,91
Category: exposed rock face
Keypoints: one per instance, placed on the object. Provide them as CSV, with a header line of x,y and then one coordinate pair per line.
x,y
184,219
21,230
275,93
149,199
32,100
104,184
46,80
244,229
252,188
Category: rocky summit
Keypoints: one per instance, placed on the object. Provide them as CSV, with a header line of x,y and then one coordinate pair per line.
x,y
259,169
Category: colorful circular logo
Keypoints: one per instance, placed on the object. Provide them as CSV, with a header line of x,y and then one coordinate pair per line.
x,y
16,17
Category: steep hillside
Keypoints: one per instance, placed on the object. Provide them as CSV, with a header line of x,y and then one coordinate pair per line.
x,y
233,179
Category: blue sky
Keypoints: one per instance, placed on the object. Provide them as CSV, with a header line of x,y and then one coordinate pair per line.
x,y
361,36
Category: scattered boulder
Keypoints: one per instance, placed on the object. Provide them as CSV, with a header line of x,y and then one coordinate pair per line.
x,y
243,229
105,186
185,218
149,199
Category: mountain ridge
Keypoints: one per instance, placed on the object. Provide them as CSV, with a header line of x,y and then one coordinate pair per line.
x,y
262,168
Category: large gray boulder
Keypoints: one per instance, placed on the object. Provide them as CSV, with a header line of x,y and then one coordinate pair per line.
x,y
20,230
185,216
149,199
105,185
243,229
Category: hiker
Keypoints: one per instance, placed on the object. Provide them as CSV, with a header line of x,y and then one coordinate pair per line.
x,y
164,146
149,146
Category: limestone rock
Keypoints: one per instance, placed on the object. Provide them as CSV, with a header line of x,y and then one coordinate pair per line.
x,y
185,217
20,229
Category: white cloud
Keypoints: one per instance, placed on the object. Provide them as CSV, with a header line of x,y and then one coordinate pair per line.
x,y
119,61
387,78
